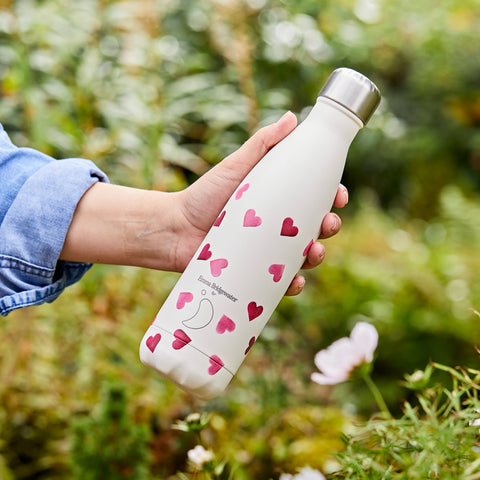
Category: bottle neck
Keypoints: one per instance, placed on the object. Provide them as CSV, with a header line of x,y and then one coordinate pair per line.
x,y
335,118
337,106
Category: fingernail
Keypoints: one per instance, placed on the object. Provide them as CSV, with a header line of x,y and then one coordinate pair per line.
x,y
285,115
346,192
335,224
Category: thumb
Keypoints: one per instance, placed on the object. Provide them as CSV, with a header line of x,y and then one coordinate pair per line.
x,y
252,151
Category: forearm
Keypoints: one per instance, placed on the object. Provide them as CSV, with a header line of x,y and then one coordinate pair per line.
x,y
120,225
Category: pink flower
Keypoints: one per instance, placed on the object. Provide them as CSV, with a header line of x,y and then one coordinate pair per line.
x,y
345,354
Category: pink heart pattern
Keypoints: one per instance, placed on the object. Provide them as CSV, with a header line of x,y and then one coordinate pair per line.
x,y
250,345
152,342
218,221
225,324
215,364
183,298
288,228
181,339
206,253
276,270
250,219
216,266
254,310
240,191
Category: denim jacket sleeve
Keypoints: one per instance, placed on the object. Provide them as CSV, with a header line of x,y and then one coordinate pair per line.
x,y
38,196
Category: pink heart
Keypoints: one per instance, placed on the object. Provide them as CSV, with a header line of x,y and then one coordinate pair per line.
x,y
277,271
254,311
218,221
181,339
240,191
183,298
251,220
152,342
307,248
288,228
217,265
206,253
215,364
250,345
225,324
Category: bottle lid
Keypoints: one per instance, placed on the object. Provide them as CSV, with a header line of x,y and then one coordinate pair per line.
x,y
353,91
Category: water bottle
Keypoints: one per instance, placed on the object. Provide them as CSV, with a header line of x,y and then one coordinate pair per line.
x,y
240,272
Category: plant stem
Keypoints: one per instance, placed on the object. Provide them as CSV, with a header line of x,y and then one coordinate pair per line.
x,y
376,394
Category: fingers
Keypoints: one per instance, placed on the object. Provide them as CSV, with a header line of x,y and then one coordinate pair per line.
x,y
331,223
341,198
296,286
330,226
315,256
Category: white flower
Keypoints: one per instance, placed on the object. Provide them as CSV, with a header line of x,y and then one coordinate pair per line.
x,y
338,360
199,456
304,474
476,422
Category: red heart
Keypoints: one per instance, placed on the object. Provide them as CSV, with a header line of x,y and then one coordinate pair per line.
x,y
206,253
277,271
251,220
240,191
225,324
183,298
288,228
254,311
218,221
217,265
250,345
152,342
181,339
215,364
307,248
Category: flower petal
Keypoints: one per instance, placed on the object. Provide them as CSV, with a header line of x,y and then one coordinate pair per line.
x,y
324,380
364,339
336,360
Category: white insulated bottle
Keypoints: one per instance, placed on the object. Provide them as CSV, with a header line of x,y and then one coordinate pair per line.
x,y
235,280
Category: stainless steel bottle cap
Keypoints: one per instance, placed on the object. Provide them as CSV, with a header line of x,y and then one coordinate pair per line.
x,y
353,91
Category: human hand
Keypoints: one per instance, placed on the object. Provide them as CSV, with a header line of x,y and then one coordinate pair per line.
x,y
126,226
202,202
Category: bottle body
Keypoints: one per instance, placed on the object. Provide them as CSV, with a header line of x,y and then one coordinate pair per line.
x,y
239,274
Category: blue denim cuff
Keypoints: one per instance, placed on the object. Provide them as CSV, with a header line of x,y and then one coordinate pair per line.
x,y
31,277
33,232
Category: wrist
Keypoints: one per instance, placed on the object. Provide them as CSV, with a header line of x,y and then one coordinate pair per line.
x,y
150,231
125,226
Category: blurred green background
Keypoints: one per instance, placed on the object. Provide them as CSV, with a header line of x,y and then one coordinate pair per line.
x,y
156,92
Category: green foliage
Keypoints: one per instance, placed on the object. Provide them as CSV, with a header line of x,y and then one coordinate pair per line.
x,y
436,435
108,445
435,438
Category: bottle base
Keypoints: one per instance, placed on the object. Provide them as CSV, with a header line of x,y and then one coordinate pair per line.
x,y
175,358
